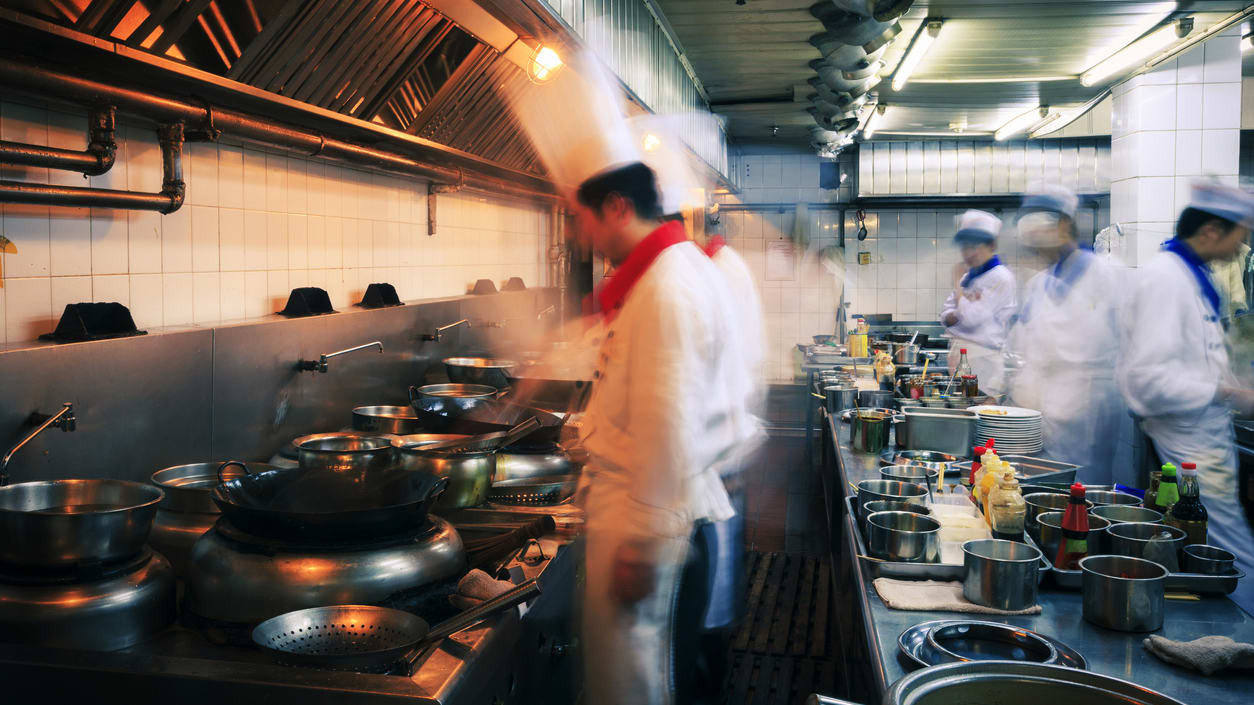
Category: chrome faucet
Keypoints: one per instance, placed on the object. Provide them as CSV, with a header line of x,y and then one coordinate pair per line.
x,y
438,335
63,419
320,365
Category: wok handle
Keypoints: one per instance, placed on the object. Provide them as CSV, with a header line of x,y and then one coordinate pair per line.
x,y
437,489
226,465
524,591
413,395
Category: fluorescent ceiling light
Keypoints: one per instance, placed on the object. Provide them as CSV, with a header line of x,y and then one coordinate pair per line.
x,y
935,133
1138,51
868,129
998,79
923,41
1020,122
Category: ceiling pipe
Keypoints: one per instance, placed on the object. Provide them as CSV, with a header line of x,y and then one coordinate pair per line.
x,y
845,57
47,82
882,10
96,159
849,27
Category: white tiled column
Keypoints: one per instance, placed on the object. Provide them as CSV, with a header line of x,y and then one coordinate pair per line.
x,y
1169,127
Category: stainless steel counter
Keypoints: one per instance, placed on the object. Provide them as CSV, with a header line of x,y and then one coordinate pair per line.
x,y
1113,653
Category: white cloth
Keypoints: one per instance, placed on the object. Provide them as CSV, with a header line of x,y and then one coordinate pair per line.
x,y
1173,359
984,310
1068,341
934,596
748,305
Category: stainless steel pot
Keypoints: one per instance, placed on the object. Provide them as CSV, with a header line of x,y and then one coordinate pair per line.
x,y
1123,514
838,397
1207,560
869,429
875,398
904,537
871,490
519,464
1049,527
1040,502
187,511
57,523
1122,593
342,451
888,505
493,372
905,354
469,474
1153,542
1004,575
458,391
385,419
1103,498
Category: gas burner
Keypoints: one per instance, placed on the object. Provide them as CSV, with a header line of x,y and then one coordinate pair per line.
x,y
77,573
234,577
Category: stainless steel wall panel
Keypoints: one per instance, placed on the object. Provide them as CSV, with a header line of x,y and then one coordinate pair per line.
x,y
983,168
1033,163
949,167
1051,171
1086,167
866,169
897,167
998,178
966,168
883,169
915,163
931,167
1016,176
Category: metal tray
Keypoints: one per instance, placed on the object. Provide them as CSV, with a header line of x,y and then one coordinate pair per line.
x,y
1197,583
916,571
1031,468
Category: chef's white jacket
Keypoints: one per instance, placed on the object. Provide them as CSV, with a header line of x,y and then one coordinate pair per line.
x,y
748,307
983,317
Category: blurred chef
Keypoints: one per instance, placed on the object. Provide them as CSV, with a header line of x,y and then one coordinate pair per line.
x,y
669,386
1173,368
978,310
1067,339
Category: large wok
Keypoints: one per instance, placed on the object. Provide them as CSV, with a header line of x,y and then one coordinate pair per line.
x,y
304,504
476,416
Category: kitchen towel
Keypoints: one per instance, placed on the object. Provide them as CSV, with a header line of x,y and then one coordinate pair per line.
x,y
934,596
477,587
1207,654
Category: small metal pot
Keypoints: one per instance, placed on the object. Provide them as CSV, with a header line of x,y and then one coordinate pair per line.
x,y
1207,560
928,477
469,474
1153,542
875,398
187,511
1122,514
518,464
59,523
1038,503
837,398
1006,641
1102,498
888,505
458,391
871,490
479,370
905,354
1122,593
340,451
903,536
1001,574
869,430
1049,528
385,419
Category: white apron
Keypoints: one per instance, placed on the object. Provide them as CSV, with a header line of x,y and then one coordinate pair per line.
x,y
986,363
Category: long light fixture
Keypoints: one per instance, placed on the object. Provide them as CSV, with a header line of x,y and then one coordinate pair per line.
x,y
923,40
868,129
1138,51
1021,122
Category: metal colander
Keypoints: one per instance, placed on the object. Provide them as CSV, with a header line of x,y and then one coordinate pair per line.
x,y
354,637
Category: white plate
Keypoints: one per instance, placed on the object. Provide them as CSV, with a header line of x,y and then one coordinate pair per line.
x,y
1007,412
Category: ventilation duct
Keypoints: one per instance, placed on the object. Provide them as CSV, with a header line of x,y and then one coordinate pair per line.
x,y
849,27
882,10
843,122
838,82
845,57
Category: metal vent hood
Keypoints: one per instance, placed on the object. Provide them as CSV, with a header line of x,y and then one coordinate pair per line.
x,y
403,65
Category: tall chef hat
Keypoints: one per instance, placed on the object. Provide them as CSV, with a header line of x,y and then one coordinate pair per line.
x,y
576,123
679,180
977,227
1050,198
1227,202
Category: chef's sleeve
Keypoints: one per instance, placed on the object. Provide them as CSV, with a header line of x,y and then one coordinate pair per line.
x,y
974,314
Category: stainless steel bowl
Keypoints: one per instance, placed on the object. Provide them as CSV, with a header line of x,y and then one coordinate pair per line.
x,y
1011,683
490,371
1040,502
871,490
1153,542
1103,498
903,536
918,474
1123,593
875,398
1050,530
838,397
344,451
888,505
386,419
458,391
469,474
933,459
1208,560
1121,514
988,641
58,523
1001,574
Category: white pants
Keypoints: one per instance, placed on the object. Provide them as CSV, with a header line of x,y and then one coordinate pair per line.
x,y
627,649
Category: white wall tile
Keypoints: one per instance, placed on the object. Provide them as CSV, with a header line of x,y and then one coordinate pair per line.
x,y
297,196
206,297
109,250
146,300
70,290
27,227
176,297
70,242
276,183
112,287
1190,66
205,243
201,160
256,294
233,255
297,242
1188,152
176,241
232,290
276,237
230,176
1223,59
255,177
1221,151
1221,106
28,309
144,242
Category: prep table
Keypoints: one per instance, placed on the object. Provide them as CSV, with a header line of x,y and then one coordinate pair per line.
x,y
870,628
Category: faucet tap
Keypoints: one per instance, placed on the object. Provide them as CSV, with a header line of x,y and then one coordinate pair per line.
x,y
320,365
63,419
439,332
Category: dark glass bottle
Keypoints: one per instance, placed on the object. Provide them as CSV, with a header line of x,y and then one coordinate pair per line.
x,y
1189,514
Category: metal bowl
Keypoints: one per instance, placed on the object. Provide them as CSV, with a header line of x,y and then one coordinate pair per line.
x,y
918,474
386,419
1004,575
344,451
988,641
58,523
1123,593
1153,542
871,490
1121,514
1049,527
888,505
932,459
1208,560
469,473
1103,498
1041,502
187,487
903,536
1011,683
490,371
458,391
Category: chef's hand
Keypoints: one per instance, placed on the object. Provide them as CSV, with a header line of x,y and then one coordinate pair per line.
x,y
959,271
950,318
634,577
1240,400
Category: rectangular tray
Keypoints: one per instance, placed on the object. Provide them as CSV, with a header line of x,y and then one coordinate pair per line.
x,y
1198,583
916,571
1032,468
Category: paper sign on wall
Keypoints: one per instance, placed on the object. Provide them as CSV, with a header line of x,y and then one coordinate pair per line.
x,y
864,258
780,261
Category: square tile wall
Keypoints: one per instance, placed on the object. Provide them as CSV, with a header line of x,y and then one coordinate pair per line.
x,y
255,224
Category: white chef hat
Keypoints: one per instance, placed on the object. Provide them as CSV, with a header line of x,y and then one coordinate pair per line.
x,y
1050,197
679,176
977,227
576,122
1227,202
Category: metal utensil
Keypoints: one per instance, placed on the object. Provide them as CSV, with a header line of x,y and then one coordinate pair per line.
x,y
1049,528
469,474
475,416
914,644
458,391
489,442
385,419
366,638
904,536
1123,593
342,451
1102,498
1122,514
1000,574
988,641
918,474
1207,560
493,372
1153,542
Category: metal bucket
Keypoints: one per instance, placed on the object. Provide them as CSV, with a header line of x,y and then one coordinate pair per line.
x,y
1004,575
1122,593
869,431
837,398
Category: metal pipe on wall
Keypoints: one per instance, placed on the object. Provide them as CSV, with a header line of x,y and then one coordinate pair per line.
x,y
48,82
95,160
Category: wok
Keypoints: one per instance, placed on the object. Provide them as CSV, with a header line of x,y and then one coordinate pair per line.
x,y
477,416
328,504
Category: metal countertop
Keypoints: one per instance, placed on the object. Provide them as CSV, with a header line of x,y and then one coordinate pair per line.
x,y
1112,653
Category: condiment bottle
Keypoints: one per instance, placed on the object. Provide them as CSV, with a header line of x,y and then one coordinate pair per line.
x,y
963,368
1007,508
1188,514
990,464
970,386
1168,491
976,463
885,370
1151,495
1075,531
988,482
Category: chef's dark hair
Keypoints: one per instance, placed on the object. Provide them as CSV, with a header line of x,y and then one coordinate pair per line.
x,y
634,182
1192,220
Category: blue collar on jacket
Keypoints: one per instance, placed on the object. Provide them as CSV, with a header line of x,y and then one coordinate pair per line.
x,y
1199,269
975,272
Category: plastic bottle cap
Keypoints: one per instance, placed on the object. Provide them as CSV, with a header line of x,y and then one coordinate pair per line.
x,y
989,444
1168,465
1077,490
1189,469
962,350
1189,466
1169,470
980,450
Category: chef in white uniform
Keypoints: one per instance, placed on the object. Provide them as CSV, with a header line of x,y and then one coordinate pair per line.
x,y
978,310
1173,368
1067,339
669,390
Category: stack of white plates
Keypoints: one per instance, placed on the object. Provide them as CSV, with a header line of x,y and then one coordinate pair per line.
x,y
1015,430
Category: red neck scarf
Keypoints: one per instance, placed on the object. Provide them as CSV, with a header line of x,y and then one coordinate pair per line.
x,y
625,276
713,245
